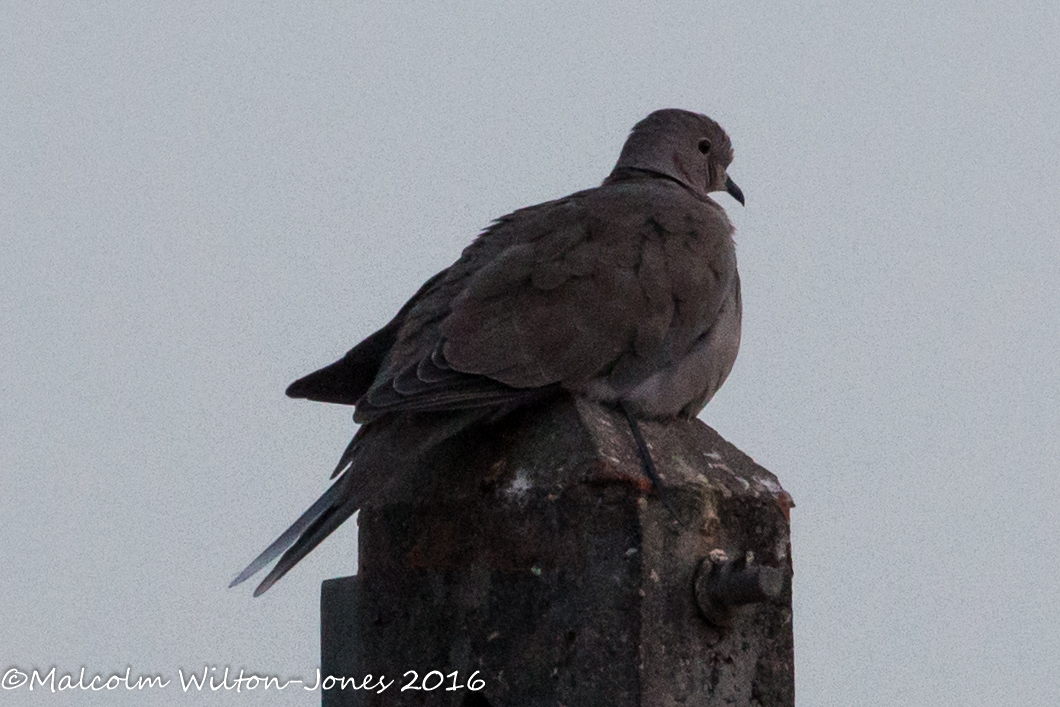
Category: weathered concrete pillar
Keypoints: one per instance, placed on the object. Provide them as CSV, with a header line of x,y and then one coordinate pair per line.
x,y
539,559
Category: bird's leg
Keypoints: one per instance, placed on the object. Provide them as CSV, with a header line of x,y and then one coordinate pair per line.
x,y
645,457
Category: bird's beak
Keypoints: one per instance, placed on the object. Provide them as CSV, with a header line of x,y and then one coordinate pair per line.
x,y
734,191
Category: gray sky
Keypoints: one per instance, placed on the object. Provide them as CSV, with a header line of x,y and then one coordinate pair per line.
x,y
199,204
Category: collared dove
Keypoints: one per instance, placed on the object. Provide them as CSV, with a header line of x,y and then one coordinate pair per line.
x,y
626,294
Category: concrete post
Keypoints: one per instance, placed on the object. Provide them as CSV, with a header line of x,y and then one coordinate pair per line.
x,y
537,559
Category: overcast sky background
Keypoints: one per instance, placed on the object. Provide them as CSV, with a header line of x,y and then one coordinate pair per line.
x,y
200,203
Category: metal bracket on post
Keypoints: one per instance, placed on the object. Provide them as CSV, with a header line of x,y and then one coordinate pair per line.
x,y
723,585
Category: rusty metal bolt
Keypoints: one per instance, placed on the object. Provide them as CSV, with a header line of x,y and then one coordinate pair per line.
x,y
722,585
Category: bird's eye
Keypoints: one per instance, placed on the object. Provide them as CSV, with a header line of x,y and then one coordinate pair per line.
x,y
704,146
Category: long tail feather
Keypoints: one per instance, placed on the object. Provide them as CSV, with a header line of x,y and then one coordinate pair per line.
x,y
376,452
332,518
291,535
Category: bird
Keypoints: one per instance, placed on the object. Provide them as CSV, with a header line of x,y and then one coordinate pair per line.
x,y
626,294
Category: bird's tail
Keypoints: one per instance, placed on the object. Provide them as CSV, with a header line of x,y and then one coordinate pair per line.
x,y
326,514
377,452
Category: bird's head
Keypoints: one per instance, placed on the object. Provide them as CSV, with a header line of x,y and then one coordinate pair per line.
x,y
684,146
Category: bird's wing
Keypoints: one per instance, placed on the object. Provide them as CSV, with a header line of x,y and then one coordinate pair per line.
x,y
602,283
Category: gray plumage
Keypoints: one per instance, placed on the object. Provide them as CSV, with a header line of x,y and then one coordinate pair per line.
x,y
626,294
